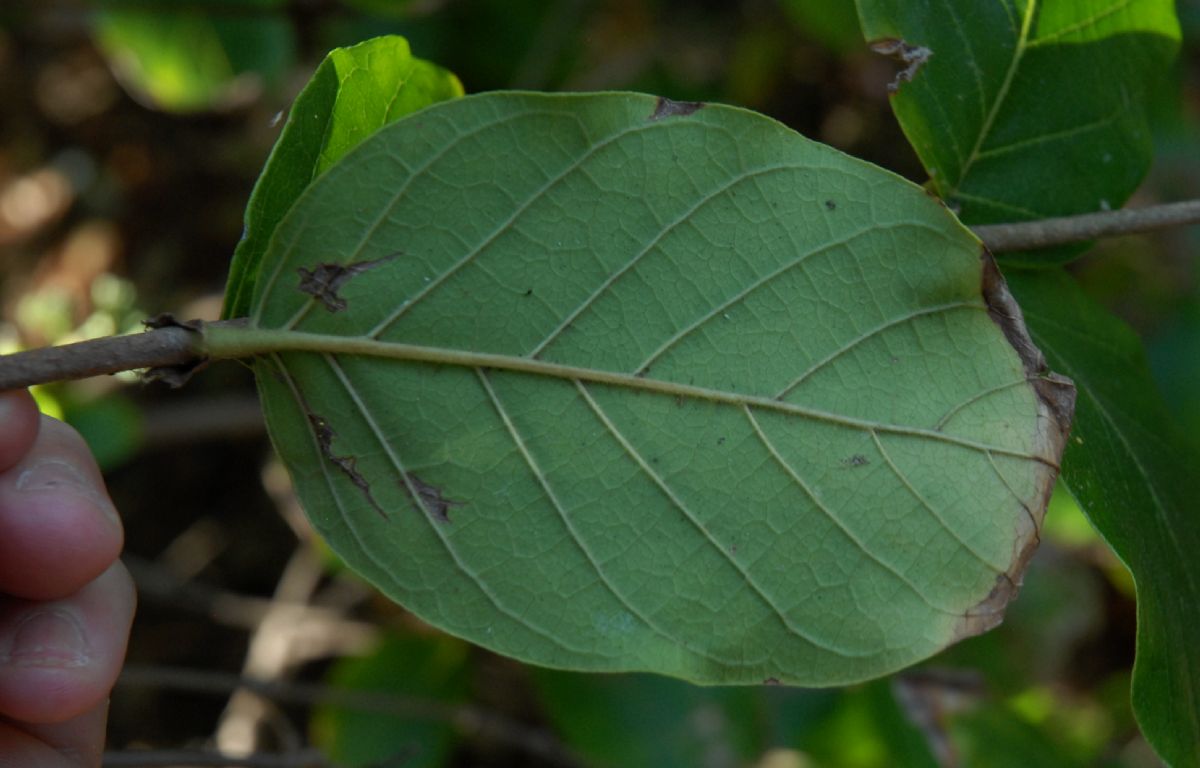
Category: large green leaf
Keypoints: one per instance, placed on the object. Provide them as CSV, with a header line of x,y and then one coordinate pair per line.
x,y
353,93
609,383
1022,109
1136,478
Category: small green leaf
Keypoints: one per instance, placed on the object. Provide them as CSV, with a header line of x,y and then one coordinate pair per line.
x,y
1023,109
1136,478
606,382
995,737
417,678
353,93
615,720
868,729
833,23
620,720
187,57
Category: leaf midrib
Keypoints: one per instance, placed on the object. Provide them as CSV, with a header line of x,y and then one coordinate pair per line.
x,y
226,342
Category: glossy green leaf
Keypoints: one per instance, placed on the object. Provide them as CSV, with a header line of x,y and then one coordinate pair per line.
x,y
1135,476
606,382
353,93
1023,109
193,56
417,677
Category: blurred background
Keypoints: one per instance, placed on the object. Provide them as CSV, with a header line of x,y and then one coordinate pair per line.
x,y
131,134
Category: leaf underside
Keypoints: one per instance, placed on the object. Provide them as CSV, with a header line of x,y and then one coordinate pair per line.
x,y
611,383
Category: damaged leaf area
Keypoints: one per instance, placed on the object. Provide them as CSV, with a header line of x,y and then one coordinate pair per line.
x,y
913,57
665,108
323,281
641,398
348,465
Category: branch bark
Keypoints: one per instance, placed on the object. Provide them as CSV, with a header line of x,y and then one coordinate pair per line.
x,y
191,758
1028,235
173,346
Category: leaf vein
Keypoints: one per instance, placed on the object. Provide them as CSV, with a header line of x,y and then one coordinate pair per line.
x,y
720,548
544,482
894,322
796,478
415,495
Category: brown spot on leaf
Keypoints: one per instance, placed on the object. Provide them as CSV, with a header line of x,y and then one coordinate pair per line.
x,y
347,464
857,460
1056,392
668,108
830,205
912,56
772,681
431,499
325,280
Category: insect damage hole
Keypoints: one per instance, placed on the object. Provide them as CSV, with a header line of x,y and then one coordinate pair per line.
x,y
430,498
347,464
669,108
912,56
325,280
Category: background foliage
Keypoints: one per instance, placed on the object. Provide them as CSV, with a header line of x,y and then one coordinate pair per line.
x,y
123,175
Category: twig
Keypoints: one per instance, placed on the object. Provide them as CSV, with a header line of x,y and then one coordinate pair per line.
x,y
188,758
178,346
161,347
1027,235
159,585
466,719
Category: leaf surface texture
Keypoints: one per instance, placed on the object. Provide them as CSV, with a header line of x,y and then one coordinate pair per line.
x,y
606,382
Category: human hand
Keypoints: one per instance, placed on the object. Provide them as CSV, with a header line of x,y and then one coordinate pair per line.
x,y
66,602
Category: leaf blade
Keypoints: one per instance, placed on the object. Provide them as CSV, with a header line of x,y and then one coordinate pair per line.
x,y
1014,93
610,517
354,92
1132,474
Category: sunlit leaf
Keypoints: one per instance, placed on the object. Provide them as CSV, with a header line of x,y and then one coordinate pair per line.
x,y
192,56
607,382
1135,476
353,93
1023,109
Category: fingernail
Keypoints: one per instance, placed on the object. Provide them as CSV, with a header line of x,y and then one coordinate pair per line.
x,y
59,475
50,637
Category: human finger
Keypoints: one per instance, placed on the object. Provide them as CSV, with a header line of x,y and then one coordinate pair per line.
x,y
58,528
59,659
18,426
